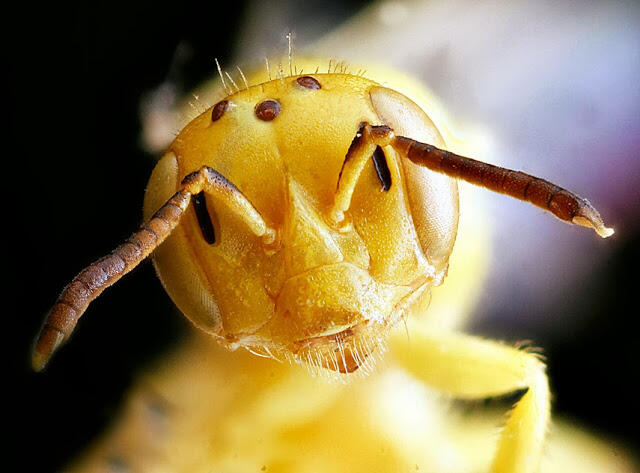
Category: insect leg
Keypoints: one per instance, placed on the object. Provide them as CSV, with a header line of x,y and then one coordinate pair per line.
x,y
562,203
92,281
470,368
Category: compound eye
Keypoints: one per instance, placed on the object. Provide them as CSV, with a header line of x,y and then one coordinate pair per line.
x,y
268,110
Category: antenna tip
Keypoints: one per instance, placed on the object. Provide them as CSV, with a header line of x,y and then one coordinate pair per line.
x,y
48,342
588,216
605,232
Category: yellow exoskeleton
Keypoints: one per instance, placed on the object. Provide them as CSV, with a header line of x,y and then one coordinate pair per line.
x,y
303,218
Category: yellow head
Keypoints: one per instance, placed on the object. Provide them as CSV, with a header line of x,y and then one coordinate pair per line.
x,y
303,217
322,293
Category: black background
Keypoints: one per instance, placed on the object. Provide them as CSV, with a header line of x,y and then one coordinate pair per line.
x,y
76,175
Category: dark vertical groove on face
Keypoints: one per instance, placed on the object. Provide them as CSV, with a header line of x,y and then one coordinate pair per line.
x,y
204,220
382,169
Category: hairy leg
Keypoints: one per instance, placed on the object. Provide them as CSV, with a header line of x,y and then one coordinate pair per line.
x,y
471,368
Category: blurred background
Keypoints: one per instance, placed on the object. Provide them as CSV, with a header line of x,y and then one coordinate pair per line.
x,y
553,89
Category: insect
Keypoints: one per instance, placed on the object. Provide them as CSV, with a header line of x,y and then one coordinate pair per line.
x,y
303,218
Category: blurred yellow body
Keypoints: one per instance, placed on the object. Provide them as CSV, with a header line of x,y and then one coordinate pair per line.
x,y
204,409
